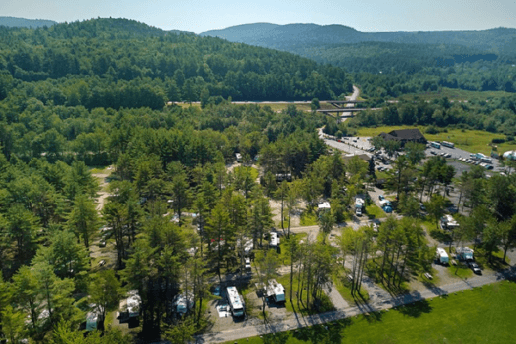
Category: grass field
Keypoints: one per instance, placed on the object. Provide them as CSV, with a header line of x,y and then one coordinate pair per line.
x,y
482,315
455,94
374,212
474,141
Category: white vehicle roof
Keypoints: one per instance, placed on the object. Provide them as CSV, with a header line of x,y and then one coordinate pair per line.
x,y
234,297
274,288
324,205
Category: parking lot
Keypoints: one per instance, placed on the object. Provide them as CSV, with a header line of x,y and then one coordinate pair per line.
x,y
456,154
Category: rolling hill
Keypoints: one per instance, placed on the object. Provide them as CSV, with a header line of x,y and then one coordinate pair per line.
x,y
23,22
292,37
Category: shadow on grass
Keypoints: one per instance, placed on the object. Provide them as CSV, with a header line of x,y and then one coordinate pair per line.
x,y
415,309
440,236
326,333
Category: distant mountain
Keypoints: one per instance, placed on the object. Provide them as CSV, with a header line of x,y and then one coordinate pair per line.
x,y
293,37
22,22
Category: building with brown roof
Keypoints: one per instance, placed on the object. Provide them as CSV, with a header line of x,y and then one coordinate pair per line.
x,y
404,136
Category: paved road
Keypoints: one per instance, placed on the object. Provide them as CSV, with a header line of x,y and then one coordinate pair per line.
x,y
383,302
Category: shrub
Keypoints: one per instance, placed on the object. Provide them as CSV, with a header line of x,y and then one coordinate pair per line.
x,y
431,130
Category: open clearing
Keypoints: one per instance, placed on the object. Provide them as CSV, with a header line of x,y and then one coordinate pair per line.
x,y
456,94
474,141
486,314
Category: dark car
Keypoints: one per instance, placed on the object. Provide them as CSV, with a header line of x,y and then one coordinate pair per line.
x,y
422,206
474,266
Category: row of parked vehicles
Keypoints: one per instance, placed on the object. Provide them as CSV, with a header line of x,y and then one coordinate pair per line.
x,y
463,254
477,162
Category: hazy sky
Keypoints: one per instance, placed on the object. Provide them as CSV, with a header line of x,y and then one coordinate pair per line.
x,y
203,15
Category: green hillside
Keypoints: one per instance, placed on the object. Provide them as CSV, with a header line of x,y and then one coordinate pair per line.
x,y
22,22
103,62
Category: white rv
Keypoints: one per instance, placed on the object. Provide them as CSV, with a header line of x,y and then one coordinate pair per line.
x,y
442,256
276,291
182,304
448,222
236,302
275,241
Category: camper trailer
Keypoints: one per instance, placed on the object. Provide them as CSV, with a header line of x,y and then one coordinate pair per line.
x,y
442,256
448,222
275,241
275,291
182,304
359,206
464,253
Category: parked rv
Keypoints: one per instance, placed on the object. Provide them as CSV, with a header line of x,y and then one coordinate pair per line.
x,y
236,302
442,256
275,291
359,206
448,222
275,241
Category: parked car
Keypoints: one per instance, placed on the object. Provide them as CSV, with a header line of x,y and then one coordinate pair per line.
x,y
422,206
381,198
433,152
474,266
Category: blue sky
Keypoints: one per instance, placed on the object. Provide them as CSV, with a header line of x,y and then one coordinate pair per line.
x,y
202,15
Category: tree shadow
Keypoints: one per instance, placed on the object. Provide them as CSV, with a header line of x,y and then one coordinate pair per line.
x,y
440,236
326,333
415,309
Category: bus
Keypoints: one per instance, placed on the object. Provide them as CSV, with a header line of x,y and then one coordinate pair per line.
x,y
435,145
448,144
236,302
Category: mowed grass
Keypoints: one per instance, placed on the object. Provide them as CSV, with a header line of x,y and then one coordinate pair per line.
x,y
482,315
374,212
474,141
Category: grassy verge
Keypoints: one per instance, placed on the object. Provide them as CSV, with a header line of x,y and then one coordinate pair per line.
x,y
341,283
435,278
308,218
298,305
484,315
455,94
374,212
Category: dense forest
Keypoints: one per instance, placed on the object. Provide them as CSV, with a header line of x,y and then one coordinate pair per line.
x,y
120,63
176,211
389,64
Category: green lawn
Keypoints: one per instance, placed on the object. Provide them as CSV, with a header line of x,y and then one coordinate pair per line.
x,y
308,218
482,315
474,141
374,212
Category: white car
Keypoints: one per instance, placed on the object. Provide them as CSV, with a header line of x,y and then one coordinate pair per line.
x,y
248,264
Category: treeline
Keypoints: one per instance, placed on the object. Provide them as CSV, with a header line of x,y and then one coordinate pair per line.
x,y
496,115
122,63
